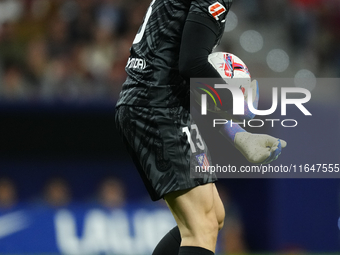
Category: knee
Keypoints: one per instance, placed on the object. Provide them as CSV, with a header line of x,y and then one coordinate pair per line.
x,y
214,224
209,227
206,227
201,232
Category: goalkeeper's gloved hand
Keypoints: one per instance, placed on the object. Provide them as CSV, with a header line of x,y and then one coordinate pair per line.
x,y
256,148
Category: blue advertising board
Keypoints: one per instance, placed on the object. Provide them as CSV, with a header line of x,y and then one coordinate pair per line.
x,y
83,229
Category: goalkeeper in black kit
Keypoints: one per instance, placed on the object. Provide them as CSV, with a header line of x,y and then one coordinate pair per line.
x,y
172,45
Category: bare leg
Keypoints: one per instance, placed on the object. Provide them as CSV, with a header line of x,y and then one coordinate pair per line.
x,y
199,214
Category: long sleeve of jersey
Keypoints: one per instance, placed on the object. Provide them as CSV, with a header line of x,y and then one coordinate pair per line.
x,y
198,39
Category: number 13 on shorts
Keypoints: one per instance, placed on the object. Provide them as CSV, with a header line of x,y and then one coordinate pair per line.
x,y
198,142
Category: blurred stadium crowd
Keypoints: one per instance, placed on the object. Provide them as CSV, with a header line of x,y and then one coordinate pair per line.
x,y
65,49
76,50
57,193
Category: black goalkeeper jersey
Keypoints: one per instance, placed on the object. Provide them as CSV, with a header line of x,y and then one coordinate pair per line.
x,y
153,78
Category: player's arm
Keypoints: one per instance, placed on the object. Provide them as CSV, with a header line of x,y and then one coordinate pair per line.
x,y
198,39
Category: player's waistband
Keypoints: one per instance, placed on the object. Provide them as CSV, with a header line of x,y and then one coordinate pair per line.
x,y
162,96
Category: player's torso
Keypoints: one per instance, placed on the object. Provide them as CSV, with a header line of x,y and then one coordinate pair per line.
x,y
152,68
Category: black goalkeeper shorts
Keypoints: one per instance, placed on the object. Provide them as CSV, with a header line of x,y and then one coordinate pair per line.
x,y
156,139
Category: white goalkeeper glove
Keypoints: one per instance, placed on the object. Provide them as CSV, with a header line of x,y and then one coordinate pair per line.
x,y
258,148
